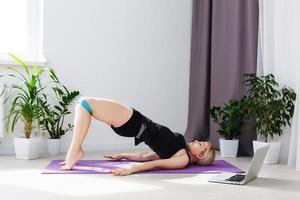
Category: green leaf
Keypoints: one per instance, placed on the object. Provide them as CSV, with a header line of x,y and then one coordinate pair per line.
x,y
58,108
19,73
25,67
35,67
39,73
53,75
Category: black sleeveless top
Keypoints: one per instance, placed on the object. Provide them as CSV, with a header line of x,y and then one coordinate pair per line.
x,y
161,139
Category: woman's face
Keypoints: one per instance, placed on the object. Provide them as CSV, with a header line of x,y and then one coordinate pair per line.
x,y
198,147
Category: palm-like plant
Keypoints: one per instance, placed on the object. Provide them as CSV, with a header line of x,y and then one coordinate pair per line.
x,y
53,116
25,97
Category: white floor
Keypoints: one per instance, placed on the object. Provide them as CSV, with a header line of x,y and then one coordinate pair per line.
x,y
22,180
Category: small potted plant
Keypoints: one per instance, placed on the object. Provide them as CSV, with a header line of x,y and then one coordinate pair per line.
x,y
24,103
53,117
230,120
272,107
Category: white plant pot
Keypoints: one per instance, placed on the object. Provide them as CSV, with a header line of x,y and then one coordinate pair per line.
x,y
228,148
273,152
27,148
53,146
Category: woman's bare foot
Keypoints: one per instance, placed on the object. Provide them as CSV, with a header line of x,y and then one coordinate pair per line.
x,y
71,159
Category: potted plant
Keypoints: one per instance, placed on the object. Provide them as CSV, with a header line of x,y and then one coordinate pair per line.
x,y
54,115
230,120
24,98
272,107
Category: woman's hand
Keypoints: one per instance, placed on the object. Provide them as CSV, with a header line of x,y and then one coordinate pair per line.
x,y
115,157
122,171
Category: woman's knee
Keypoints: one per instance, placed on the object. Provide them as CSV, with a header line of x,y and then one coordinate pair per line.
x,y
85,102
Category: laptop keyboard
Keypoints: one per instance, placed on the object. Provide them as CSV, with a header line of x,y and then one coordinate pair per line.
x,y
236,178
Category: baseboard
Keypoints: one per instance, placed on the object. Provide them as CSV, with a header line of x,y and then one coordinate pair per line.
x,y
9,150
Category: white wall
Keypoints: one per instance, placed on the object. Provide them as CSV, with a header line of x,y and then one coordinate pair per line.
x,y
134,51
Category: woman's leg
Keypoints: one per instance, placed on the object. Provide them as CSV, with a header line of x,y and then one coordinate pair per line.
x,y
105,110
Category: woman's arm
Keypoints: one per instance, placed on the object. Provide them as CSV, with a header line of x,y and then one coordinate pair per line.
x,y
139,156
171,163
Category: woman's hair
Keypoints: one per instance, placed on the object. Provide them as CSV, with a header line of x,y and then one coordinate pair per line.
x,y
209,155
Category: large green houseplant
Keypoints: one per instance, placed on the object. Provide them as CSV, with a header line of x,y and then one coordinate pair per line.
x,y
272,107
230,118
53,117
23,99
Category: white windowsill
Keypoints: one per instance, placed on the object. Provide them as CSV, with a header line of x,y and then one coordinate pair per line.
x,y
41,63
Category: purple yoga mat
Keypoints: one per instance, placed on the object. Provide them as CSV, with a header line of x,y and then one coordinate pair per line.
x,y
104,167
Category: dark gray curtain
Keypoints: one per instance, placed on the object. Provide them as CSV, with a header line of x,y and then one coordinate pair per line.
x,y
224,47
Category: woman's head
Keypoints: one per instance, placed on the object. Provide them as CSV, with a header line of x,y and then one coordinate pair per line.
x,y
202,152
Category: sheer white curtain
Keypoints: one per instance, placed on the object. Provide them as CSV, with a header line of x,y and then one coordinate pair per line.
x,y
279,53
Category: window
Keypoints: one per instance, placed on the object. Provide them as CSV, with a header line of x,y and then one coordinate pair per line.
x,y
21,30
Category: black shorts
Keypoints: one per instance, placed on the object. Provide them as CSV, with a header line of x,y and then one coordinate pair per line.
x,y
134,127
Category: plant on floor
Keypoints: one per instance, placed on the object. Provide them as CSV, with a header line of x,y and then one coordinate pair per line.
x,y
24,97
54,115
270,105
230,118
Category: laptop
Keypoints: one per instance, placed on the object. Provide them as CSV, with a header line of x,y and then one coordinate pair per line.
x,y
242,178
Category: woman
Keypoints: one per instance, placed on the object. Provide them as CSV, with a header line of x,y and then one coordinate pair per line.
x,y
170,150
